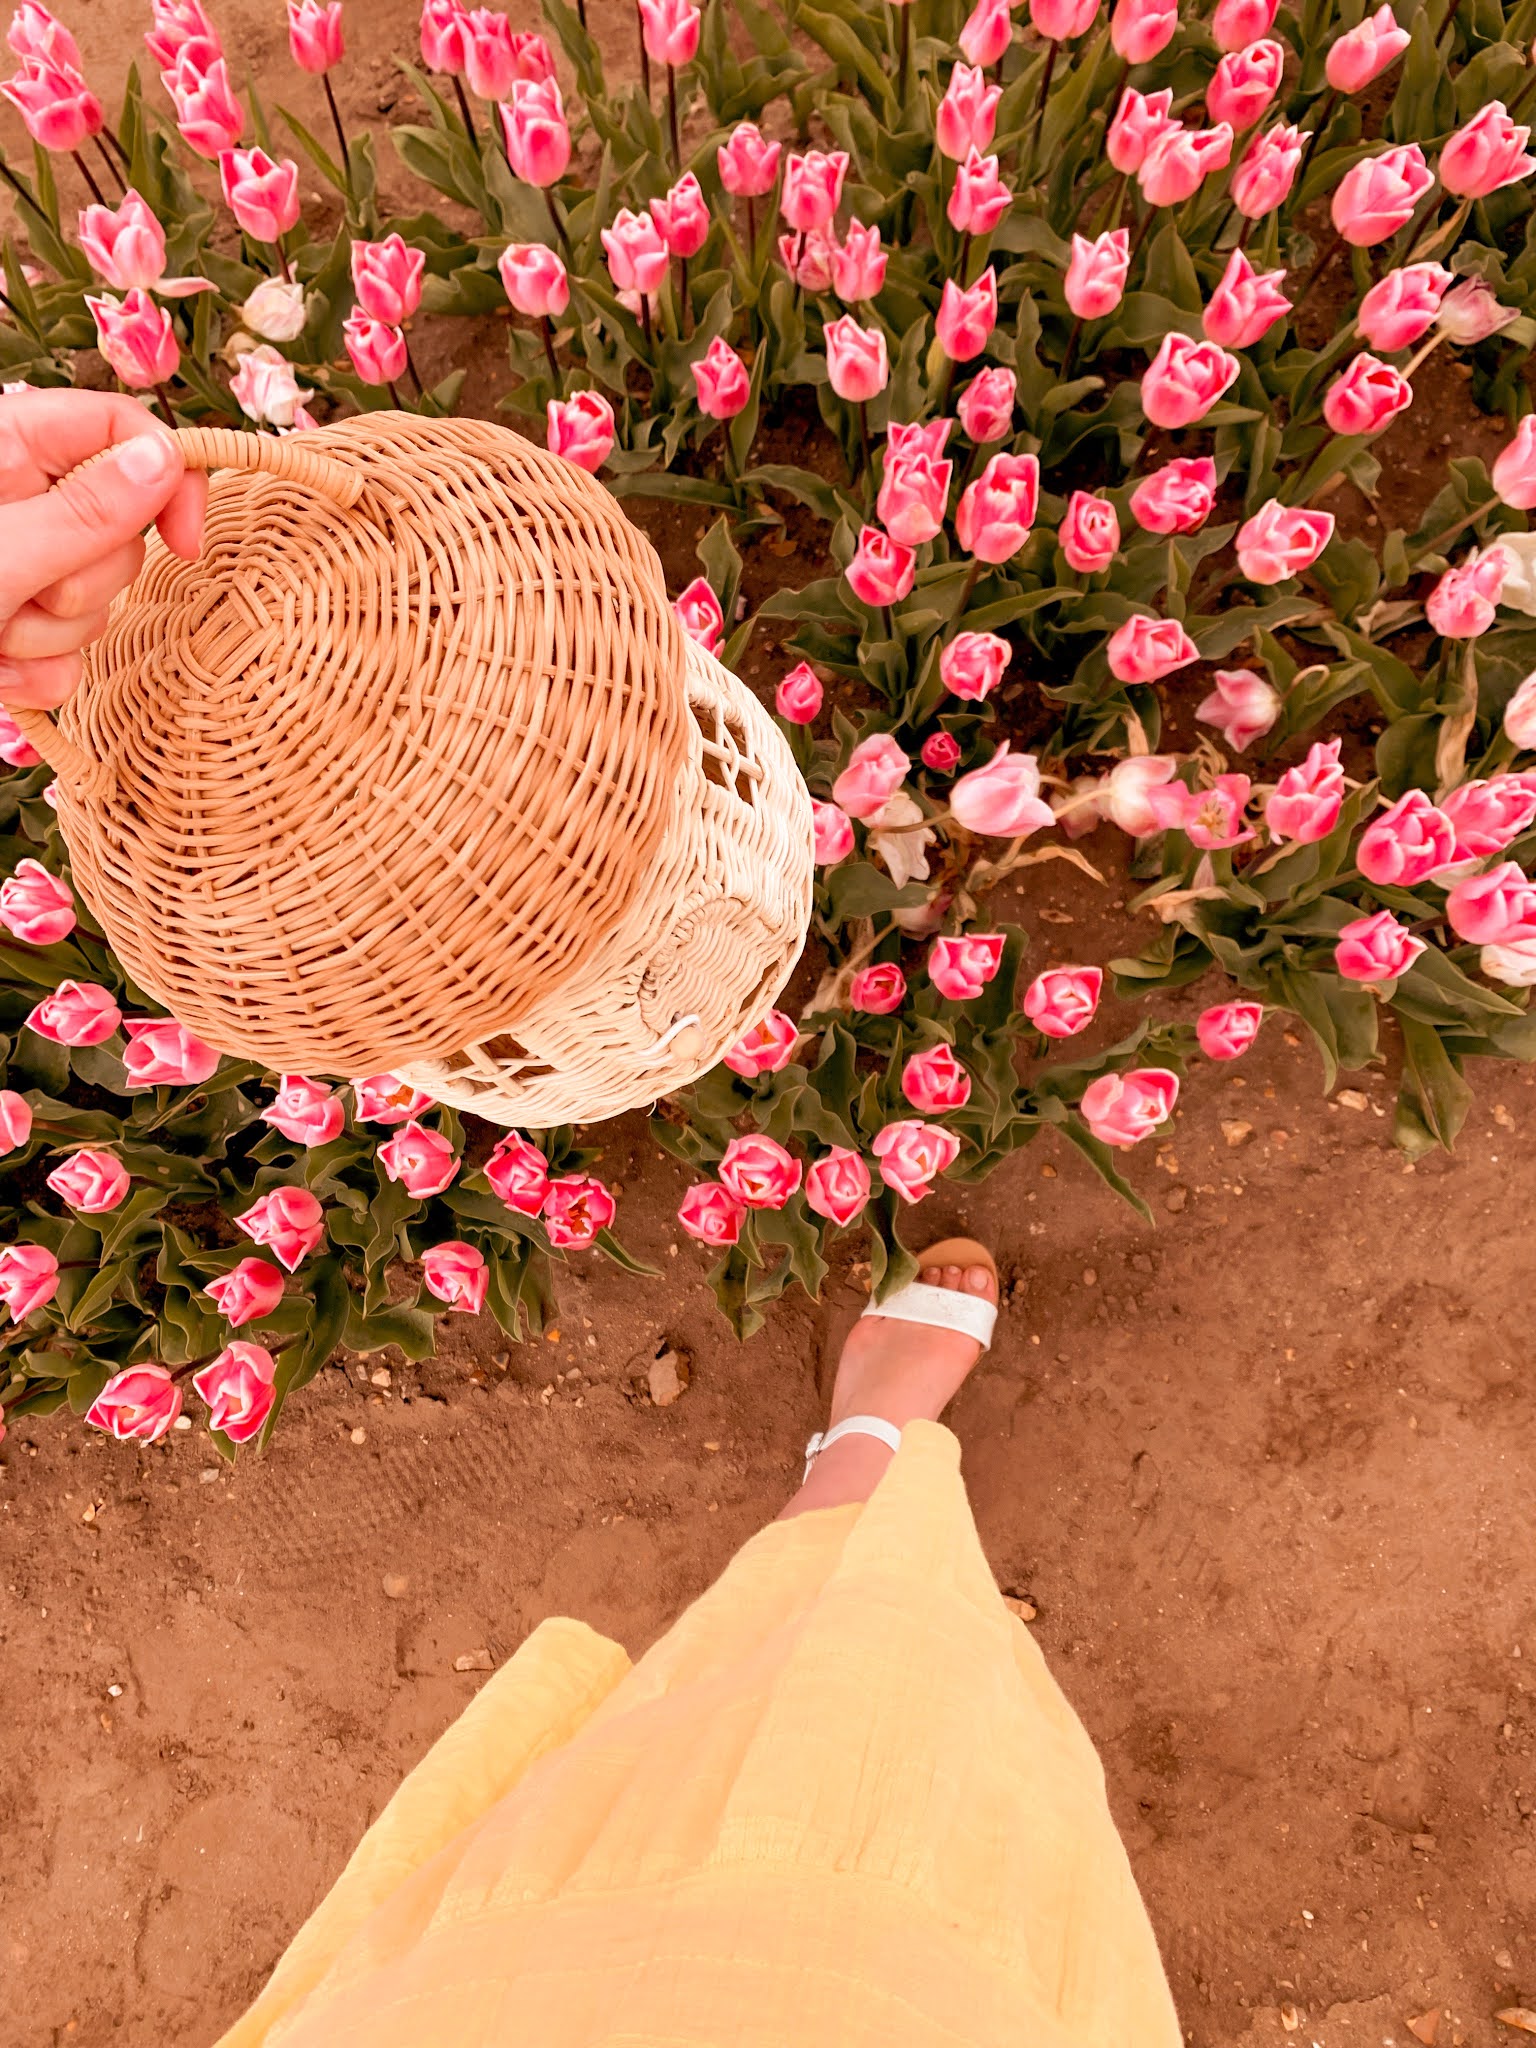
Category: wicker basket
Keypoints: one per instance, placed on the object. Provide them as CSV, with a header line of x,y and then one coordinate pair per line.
x,y
415,771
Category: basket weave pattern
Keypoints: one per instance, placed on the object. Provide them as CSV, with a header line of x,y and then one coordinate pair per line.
x,y
415,770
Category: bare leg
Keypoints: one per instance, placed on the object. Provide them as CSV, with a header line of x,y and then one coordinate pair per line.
x,y
904,1372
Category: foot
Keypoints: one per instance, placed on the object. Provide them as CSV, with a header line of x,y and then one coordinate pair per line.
x,y
904,1372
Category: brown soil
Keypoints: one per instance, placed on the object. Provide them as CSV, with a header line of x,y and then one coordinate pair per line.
x,y
1264,1472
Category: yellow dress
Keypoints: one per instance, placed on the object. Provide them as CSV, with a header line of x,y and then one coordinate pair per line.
x,y
841,1805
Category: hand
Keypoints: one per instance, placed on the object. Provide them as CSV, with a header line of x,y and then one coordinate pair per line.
x,y
67,549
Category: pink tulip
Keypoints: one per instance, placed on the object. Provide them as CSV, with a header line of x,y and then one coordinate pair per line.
x,y
518,1173
986,32
638,258
967,116
247,1292
1267,170
1002,800
126,248
36,906
698,611
442,36
1139,119
1179,160
813,188
238,1387
1122,1109
1237,23
934,1081
1402,307
1242,707
997,512
1185,379
1227,1030
832,832
857,365
930,437
533,126
858,267
1129,793
77,1013
986,405
136,337
1144,649
1514,467
1366,396
386,277
16,750
209,116
1280,541
1471,313
1089,535
1178,497
1486,155
1062,1001
421,1160
315,38
967,318
767,1048
1493,909
799,695
582,429
305,1111
882,571
576,1208
912,1155
136,1406
386,1099
263,195
265,387
1375,949
1514,965
1062,20
1489,815
1245,305
940,752
876,769
535,280
1377,196
979,198
1465,602
90,1181
164,1054
29,1277
58,107
1211,819
34,32
748,163
758,1172
709,1214
1095,280
533,56
1307,799
670,31
490,64
682,217
456,1273
1407,843
972,664
1140,29
722,381
837,1186
1364,52
1245,82
16,1120
377,351
878,991
810,259
961,967
289,1222
914,491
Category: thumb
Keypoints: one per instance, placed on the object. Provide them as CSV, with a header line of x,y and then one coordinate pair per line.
x,y
86,516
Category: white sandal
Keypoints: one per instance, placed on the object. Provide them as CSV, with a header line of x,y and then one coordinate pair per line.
x,y
941,1308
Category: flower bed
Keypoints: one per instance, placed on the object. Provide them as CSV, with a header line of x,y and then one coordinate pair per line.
x,y
1088,325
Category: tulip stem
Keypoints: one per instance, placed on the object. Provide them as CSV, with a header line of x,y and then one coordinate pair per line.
x,y
677,155
1330,251
111,163
1523,94
581,13
85,171
1036,124
1071,350
164,398
890,623
1447,231
341,133
645,322
1314,136
565,240
1436,542
1142,232
464,114
117,148
684,309
1450,16
410,364
904,60
547,334
645,60
751,234
869,461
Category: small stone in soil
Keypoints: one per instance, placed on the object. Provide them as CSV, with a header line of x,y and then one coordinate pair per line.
x,y
665,1380
396,1585
474,1660
1021,1605
1175,1199
359,1435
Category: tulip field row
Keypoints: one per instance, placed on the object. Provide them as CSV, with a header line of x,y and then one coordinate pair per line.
x,y
1086,323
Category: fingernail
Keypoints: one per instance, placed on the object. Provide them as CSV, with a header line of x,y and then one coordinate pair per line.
x,y
146,459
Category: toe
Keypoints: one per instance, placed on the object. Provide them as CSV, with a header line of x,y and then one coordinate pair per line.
x,y
932,1276
951,1276
978,1280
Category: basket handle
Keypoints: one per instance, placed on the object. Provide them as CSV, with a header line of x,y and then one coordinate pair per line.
x,y
284,456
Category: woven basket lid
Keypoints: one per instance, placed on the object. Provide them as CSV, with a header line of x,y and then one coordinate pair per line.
x,y
363,783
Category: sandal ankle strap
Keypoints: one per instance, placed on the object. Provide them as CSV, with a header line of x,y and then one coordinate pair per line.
x,y
852,1425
